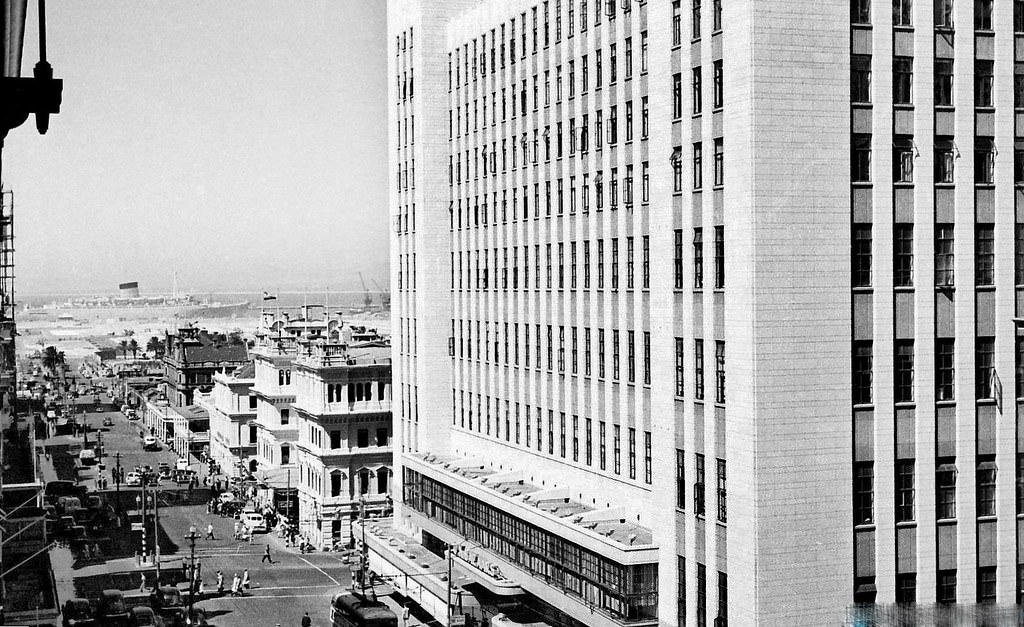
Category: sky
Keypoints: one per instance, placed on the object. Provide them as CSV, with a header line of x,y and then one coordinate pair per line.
x,y
239,143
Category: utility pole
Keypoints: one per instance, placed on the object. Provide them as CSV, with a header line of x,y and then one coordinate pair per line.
x,y
142,498
448,586
288,497
156,534
117,483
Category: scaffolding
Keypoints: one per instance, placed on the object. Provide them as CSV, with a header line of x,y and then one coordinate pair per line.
x,y
7,327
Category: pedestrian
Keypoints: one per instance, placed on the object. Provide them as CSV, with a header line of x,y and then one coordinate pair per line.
x,y
245,579
266,555
220,583
142,582
252,537
209,532
235,583
238,529
306,622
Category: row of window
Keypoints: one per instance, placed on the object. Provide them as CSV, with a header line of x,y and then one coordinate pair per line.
x,y
722,619
315,435
471,270
699,485
472,61
902,14
945,490
698,369
903,254
946,153
985,386
508,344
945,589
942,84
518,429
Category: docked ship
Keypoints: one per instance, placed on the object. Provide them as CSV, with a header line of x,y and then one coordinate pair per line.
x,y
130,304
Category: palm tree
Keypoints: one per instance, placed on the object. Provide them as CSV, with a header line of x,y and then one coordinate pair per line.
x,y
51,358
133,346
155,346
124,348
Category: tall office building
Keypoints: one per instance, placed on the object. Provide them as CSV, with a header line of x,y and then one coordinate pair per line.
x,y
704,312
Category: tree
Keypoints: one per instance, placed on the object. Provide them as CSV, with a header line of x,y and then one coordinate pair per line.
x,y
155,346
51,358
235,338
133,346
124,348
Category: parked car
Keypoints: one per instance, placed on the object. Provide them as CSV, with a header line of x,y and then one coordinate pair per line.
x,y
111,609
181,464
77,613
166,600
143,616
133,478
255,522
150,443
87,456
183,476
226,497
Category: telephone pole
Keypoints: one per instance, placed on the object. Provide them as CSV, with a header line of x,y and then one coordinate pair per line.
x,y
191,537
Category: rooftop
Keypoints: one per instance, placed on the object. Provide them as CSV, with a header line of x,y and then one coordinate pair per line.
x,y
610,523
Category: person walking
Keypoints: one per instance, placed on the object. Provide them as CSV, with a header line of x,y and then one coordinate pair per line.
x,y
209,532
235,584
266,555
220,583
245,579
306,622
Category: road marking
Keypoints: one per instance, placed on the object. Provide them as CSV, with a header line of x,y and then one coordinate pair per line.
x,y
321,570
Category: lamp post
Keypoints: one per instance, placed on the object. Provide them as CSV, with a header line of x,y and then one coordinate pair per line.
x,y
191,536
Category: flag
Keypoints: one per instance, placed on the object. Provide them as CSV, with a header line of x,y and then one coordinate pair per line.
x,y
269,296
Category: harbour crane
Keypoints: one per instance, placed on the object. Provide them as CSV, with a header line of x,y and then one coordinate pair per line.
x,y
385,295
367,299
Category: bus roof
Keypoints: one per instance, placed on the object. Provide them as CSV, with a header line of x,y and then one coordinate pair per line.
x,y
362,607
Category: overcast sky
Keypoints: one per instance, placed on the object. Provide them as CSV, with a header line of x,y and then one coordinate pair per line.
x,y
241,143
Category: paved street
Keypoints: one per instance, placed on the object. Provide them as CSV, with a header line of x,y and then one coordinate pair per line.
x,y
281,592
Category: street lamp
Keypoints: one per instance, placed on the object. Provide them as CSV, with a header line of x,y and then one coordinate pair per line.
x,y
191,536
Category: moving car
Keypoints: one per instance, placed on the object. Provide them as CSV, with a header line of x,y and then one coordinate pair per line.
x,y
107,421
150,443
77,613
133,478
166,600
254,521
87,456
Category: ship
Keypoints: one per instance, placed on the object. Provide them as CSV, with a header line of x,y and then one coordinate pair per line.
x,y
129,304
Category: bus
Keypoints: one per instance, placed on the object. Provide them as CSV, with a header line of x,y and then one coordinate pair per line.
x,y
352,610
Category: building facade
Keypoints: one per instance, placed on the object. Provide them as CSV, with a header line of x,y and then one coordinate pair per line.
x,y
193,356
702,265
233,430
343,451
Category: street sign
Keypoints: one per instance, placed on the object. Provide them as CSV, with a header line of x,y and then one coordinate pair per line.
x,y
457,620
137,526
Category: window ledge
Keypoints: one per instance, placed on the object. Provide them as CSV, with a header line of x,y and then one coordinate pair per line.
x,y
984,186
861,184
946,521
987,518
864,289
906,28
985,288
903,106
942,185
868,526
863,406
985,401
861,105
903,185
906,524
950,108
905,405
861,25
946,403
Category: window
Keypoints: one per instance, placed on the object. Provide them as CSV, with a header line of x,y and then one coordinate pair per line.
x,y
904,490
717,98
863,493
944,369
632,452
862,372
946,586
575,438
903,259
723,580
616,449
285,416
987,578
982,14
861,255
680,479
698,165
1018,269
648,466
984,254
902,12
943,82
984,362
645,125
285,454
906,588
696,20
698,258
680,574
719,371
944,13
698,486
719,162
719,257
984,161
1018,16
860,163
722,509
860,11
945,490
903,80
696,84
944,254
986,488
680,366
904,371
903,159
698,369
677,96
983,84
860,78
